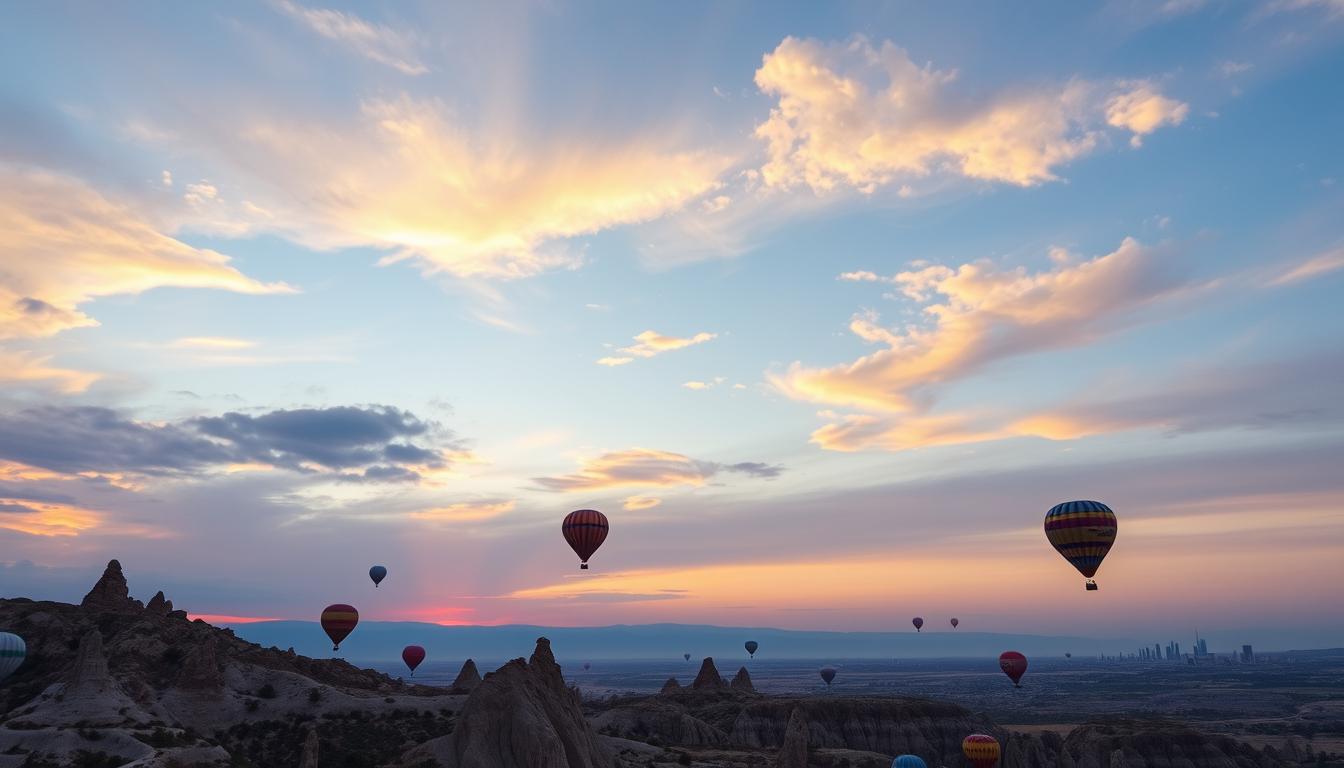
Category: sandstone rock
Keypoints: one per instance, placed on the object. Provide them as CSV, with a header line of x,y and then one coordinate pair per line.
x,y
176,614
158,605
110,594
662,720
309,758
200,669
671,686
86,695
467,679
708,678
793,753
742,682
520,716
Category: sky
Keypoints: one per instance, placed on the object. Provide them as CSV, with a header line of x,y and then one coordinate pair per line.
x,y
823,305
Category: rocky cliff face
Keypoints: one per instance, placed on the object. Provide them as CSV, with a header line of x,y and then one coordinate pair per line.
x,y
520,716
793,752
467,679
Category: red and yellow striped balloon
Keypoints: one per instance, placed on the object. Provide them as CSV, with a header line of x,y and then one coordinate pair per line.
x,y
981,750
338,621
1083,532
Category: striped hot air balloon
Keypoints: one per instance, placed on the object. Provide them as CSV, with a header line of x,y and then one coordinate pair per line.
x,y
909,761
12,652
1083,532
585,530
981,750
338,621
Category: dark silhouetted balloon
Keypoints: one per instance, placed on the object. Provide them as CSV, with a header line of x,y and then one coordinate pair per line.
x,y
12,653
955,622
338,621
981,750
908,761
918,622
1068,655
412,655
1014,665
686,656
827,674
377,573
586,666
1083,532
585,530
751,646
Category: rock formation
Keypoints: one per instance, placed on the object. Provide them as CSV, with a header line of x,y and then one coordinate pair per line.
x,y
158,605
742,682
708,678
86,695
309,758
793,753
200,669
671,686
110,594
467,679
520,716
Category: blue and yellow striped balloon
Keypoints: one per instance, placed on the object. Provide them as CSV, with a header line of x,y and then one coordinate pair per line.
x,y
1083,532
12,652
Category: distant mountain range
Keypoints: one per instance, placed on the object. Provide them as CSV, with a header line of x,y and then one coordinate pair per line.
x,y
383,640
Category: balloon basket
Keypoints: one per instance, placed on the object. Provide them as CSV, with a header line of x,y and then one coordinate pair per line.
x,y
1091,586
583,566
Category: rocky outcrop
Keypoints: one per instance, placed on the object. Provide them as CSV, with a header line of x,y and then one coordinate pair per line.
x,y
660,721
671,687
886,726
200,670
467,679
110,594
86,695
793,752
742,682
1139,743
520,716
309,757
158,605
708,679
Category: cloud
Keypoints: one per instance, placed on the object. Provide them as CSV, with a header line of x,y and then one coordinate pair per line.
x,y
650,343
644,468
985,315
858,115
348,443
375,42
24,369
1332,8
636,503
1321,264
63,244
614,361
46,518
703,385
1142,110
465,511
210,342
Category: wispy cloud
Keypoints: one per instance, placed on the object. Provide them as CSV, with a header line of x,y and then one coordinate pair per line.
x,y
376,42
24,369
650,343
1316,266
645,468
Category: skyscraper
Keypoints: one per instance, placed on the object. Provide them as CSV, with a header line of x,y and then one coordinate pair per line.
x,y
1247,655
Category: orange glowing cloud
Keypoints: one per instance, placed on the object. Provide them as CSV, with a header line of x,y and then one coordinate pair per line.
x,y
636,467
467,511
44,518
650,343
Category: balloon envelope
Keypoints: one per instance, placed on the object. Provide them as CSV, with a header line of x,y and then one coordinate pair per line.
x,y
338,621
585,530
827,674
981,750
1013,665
1068,655
955,622
908,761
12,653
586,665
412,655
918,622
1083,532
377,573
751,646
686,656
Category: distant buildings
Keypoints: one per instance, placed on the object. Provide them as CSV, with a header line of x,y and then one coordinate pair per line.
x,y
1247,655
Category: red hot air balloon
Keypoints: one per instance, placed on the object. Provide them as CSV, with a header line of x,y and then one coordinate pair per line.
x,y
338,621
918,622
981,750
1014,665
585,530
412,655
955,622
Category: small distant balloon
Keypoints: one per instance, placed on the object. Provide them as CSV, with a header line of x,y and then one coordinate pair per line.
x,y
1014,665
686,656
955,622
585,530
377,573
12,653
412,655
587,666
1068,655
908,761
981,750
918,622
1082,532
338,621
827,674
751,646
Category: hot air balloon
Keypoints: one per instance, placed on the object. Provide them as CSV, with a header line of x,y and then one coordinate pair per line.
x,y
955,622
827,674
1068,655
338,621
908,761
751,646
1083,532
686,656
585,530
377,573
12,652
981,750
1014,665
412,655
918,622
586,666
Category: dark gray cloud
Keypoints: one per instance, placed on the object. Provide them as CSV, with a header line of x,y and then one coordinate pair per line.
x,y
755,469
364,444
